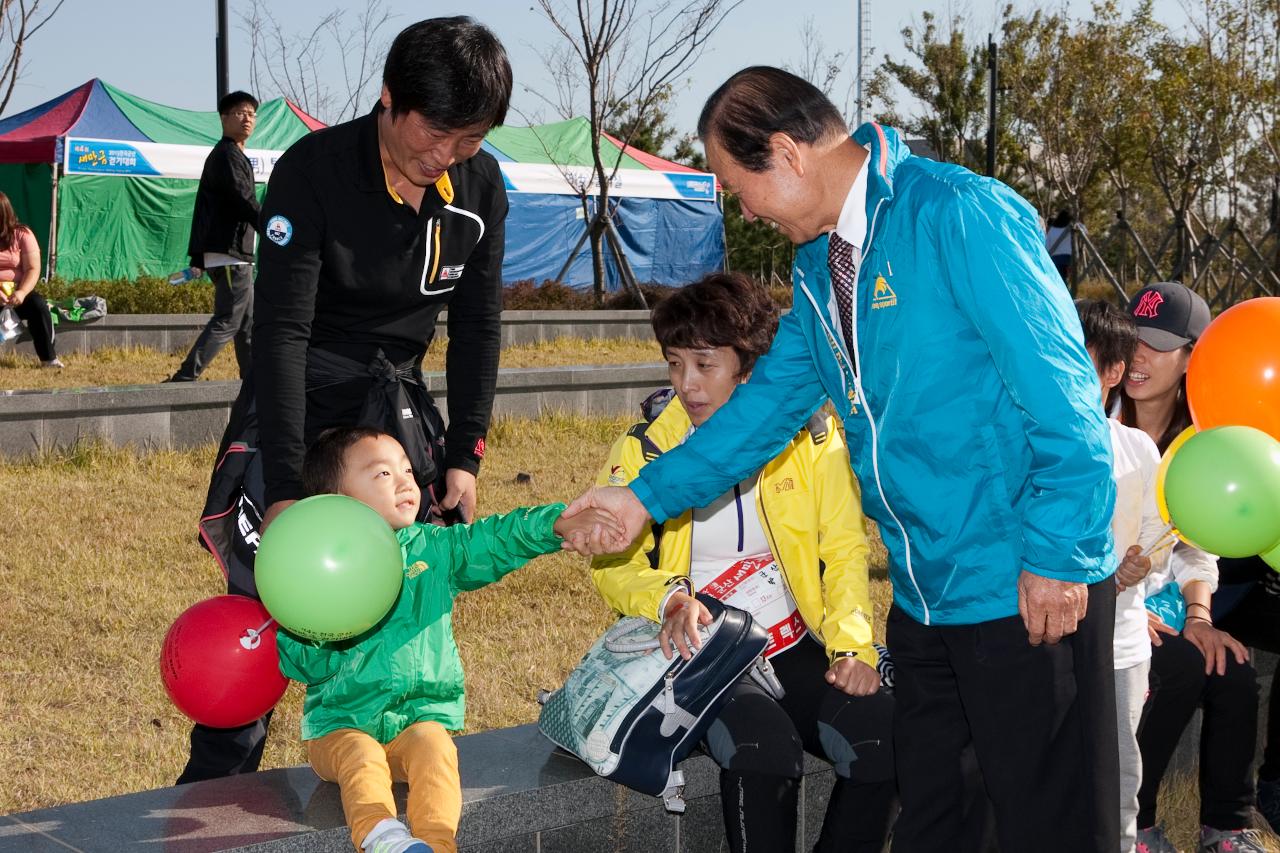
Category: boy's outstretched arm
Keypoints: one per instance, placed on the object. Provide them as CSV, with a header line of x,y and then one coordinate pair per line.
x,y
482,552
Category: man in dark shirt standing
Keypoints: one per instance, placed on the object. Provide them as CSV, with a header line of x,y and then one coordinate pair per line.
x,y
222,229
370,228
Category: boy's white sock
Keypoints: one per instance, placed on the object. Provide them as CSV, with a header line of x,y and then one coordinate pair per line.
x,y
391,836
389,827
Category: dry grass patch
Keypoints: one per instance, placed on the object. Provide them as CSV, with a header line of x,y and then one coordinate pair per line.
x,y
143,365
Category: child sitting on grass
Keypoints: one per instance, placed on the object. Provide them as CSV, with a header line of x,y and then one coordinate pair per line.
x,y
378,706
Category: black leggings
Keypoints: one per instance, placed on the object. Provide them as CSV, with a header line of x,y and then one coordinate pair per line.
x,y
759,743
34,311
1253,618
1227,733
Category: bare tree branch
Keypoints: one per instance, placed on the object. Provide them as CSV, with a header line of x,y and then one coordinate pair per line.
x,y
295,64
628,58
20,20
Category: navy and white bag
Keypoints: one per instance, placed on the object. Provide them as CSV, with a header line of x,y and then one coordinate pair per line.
x,y
632,715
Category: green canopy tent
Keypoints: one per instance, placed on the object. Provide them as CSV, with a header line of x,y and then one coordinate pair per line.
x,y
107,180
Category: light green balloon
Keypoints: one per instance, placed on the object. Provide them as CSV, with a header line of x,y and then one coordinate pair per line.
x,y
1223,491
328,568
1272,557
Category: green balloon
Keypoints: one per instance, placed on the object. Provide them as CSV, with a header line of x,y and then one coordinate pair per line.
x,y
328,568
1223,491
1272,557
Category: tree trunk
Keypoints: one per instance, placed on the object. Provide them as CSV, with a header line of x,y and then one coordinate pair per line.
x,y
597,258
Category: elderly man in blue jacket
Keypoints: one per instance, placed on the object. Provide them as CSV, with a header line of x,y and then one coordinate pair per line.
x,y
927,310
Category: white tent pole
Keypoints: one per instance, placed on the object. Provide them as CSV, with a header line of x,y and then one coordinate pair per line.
x,y
52,265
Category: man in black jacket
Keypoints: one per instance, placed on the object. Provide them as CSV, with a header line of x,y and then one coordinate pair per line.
x,y
222,234
370,229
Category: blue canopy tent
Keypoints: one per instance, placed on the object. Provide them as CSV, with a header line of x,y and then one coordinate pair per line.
x,y
668,216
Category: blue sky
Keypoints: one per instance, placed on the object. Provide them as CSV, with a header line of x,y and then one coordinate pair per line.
x,y
164,51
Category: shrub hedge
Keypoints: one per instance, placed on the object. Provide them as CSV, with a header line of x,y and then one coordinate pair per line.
x,y
154,295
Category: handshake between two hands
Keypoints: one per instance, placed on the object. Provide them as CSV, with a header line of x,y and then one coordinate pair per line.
x,y
603,520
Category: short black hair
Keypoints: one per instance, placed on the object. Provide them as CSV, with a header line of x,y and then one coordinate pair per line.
x,y
760,101
453,71
1109,331
325,461
718,310
231,100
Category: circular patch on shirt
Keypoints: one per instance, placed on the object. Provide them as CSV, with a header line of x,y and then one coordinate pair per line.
x,y
279,230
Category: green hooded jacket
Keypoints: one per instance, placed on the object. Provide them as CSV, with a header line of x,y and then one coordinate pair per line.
x,y
406,669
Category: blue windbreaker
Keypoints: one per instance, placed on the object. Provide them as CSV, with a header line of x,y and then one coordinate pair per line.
x,y
970,404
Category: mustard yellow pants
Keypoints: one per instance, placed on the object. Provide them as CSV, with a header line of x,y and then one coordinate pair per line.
x,y
422,755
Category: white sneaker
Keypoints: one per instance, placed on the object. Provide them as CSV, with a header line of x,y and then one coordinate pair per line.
x,y
54,362
392,836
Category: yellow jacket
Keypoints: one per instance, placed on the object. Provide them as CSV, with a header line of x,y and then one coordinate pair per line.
x,y
810,507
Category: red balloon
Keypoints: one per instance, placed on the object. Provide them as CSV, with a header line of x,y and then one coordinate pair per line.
x,y
216,666
1233,377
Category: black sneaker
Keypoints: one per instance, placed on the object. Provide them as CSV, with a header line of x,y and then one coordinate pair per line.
x,y
178,377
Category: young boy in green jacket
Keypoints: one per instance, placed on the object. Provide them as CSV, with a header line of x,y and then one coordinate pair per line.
x,y
378,706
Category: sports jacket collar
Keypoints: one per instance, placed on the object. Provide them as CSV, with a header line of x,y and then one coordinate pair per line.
x,y
372,176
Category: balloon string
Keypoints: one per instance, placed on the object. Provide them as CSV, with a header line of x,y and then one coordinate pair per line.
x,y
264,626
1167,537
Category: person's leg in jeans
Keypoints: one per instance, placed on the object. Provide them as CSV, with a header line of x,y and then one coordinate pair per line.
x,y
232,297
930,734
1044,729
1131,694
34,311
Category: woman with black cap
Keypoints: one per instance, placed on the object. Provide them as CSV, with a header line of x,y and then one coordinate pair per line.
x,y
1199,665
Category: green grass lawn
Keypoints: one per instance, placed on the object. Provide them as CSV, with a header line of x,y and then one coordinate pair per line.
x,y
98,555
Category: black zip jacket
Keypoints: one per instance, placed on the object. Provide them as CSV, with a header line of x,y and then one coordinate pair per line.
x,y
344,266
226,212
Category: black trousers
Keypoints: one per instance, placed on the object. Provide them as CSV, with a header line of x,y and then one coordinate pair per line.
x,y
34,311
759,743
1255,621
1227,735
232,320
1039,720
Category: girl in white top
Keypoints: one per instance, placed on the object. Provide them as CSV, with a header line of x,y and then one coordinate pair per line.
x,y
1199,665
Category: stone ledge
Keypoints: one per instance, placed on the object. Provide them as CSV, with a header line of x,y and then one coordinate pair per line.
x,y
176,332
193,413
520,793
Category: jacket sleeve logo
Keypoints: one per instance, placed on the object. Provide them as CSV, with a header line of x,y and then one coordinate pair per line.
x,y
279,230
452,273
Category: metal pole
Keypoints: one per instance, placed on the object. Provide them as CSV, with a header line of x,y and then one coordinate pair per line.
x,y
857,67
220,50
992,78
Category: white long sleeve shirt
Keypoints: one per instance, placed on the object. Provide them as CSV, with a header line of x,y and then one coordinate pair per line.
x,y
1136,522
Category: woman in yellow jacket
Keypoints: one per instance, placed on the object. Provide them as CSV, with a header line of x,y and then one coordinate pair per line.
x,y
788,545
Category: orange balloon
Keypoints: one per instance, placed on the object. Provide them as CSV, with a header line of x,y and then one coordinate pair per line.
x,y
1233,378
